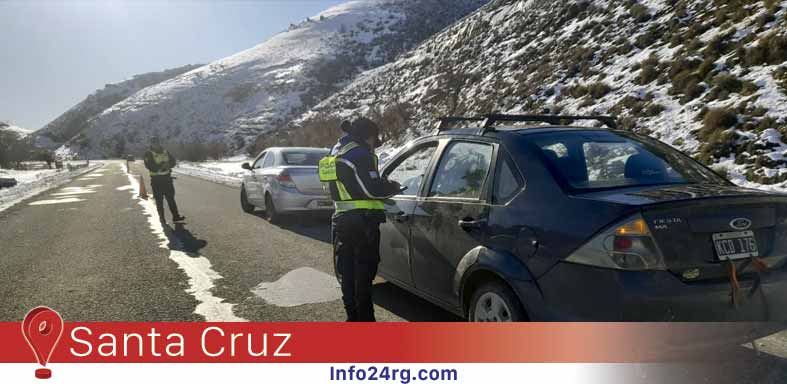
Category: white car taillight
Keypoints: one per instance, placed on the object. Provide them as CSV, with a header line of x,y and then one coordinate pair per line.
x,y
628,245
285,180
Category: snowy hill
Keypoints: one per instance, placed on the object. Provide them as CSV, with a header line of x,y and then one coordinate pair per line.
x,y
707,77
75,120
7,126
238,98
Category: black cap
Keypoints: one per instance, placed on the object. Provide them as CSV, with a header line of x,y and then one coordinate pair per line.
x,y
362,129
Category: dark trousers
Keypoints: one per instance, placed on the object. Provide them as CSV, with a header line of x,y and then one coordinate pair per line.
x,y
356,243
163,188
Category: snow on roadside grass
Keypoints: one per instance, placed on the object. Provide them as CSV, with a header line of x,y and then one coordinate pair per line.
x,y
31,183
222,172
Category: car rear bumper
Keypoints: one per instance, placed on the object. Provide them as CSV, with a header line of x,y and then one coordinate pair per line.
x,y
585,293
291,200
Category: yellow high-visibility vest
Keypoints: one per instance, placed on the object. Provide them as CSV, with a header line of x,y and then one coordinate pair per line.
x,y
162,163
327,171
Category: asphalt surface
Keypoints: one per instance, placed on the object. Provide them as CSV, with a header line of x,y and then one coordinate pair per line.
x,y
99,260
89,250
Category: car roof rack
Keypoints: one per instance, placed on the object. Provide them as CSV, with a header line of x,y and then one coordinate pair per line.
x,y
488,121
448,122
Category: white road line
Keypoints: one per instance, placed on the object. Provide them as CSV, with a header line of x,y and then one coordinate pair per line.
x,y
198,269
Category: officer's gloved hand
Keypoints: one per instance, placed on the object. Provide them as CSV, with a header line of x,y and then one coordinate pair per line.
x,y
394,188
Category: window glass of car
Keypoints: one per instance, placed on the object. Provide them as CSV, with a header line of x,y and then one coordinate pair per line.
x,y
462,170
508,181
260,160
269,159
410,172
604,159
303,157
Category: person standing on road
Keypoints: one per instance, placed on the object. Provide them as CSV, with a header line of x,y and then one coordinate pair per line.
x,y
159,163
358,191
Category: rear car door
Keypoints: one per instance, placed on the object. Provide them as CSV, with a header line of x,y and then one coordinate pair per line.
x,y
250,180
452,218
409,170
263,174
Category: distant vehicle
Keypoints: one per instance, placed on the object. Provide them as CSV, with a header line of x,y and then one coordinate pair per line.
x,y
283,181
552,222
130,158
7,182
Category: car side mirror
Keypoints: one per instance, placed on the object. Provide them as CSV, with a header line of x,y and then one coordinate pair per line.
x,y
246,166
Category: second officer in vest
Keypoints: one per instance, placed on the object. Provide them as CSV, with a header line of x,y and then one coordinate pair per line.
x,y
159,163
358,190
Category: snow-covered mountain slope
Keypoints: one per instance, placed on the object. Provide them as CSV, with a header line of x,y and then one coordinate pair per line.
x,y
237,98
75,120
7,126
708,77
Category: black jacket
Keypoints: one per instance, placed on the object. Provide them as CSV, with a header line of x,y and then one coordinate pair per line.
x,y
357,170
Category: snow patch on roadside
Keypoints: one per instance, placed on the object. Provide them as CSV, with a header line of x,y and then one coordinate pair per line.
x,y
198,269
32,187
57,201
221,172
300,286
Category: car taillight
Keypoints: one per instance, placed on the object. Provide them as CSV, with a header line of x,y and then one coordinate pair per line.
x,y
285,180
627,245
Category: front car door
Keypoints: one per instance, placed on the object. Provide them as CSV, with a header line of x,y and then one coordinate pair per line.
x,y
452,217
409,170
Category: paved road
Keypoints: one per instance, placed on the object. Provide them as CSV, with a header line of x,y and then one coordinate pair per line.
x,y
92,250
88,249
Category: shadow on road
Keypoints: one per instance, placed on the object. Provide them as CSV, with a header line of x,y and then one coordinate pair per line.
x,y
409,306
181,239
316,226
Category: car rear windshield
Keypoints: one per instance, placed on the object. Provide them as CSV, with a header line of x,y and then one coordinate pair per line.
x,y
304,157
592,160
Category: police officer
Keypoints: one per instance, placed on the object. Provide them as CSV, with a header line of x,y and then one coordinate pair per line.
x,y
358,192
160,162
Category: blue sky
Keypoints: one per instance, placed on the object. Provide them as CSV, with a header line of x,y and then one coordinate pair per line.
x,y
55,53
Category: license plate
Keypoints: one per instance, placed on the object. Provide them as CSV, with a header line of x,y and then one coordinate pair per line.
x,y
735,245
325,203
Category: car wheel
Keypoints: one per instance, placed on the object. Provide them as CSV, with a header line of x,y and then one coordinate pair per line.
x,y
244,201
270,210
495,302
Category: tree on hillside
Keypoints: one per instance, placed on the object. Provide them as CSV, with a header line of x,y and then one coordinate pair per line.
x,y
13,149
217,150
393,119
44,155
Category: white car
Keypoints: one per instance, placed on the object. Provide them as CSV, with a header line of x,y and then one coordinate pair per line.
x,y
285,180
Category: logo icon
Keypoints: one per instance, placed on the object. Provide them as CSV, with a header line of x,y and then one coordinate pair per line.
x,y
740,223
42,328
691,274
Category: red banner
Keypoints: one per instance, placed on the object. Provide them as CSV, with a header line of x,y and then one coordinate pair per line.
x,y
376,342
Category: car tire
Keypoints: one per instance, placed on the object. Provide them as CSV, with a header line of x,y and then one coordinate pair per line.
x,y
493,301
244,201
270,210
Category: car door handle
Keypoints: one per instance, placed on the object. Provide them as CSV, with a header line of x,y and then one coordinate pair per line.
x,y
469,223
401,217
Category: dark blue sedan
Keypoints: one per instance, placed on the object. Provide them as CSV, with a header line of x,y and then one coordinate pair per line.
x,y
555,222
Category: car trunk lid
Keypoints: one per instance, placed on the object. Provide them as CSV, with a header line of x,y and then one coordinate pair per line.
x,y
684,218
306,179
